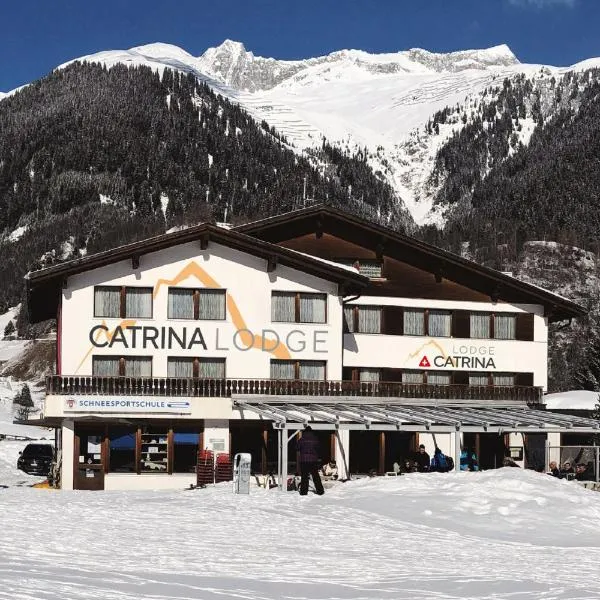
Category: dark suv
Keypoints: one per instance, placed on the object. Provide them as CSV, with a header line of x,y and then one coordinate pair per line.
x,y
36,459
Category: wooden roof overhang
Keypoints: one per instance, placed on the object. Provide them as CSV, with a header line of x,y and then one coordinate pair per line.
x,y
383,241
44,286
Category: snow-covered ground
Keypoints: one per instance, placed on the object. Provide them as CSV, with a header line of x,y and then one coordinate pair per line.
x,y
504,534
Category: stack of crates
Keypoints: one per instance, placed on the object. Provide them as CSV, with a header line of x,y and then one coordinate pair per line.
x,y
205,470
223,468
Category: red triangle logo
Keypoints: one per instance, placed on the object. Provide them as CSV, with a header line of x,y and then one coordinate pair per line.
x,y
424,362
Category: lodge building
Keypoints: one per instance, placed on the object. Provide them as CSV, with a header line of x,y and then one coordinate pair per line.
x,y
232,339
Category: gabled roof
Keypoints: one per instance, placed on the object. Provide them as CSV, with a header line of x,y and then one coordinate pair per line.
x,y
43,286
384,241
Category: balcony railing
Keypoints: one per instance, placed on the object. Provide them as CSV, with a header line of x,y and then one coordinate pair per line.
x,y
225,388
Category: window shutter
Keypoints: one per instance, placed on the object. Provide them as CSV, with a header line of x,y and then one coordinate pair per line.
x,y
461,324
347,373
525,327
391,374
524,379
393,320
460,378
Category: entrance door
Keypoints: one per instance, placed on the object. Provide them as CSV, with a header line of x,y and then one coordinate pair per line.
x,y
90,457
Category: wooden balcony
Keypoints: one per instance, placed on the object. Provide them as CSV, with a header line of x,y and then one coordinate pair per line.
x,y
226,388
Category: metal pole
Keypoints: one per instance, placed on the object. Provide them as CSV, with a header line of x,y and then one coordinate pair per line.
x,y
597,464
457,450
284,461
279,436
547,457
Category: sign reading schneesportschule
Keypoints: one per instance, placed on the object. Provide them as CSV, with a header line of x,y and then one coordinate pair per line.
x,y
126,404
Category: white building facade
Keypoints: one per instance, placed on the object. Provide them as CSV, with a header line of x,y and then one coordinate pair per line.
x,y
159,340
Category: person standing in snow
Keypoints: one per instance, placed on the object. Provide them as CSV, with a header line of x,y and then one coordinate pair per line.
x,y
468,460
422,459
308,448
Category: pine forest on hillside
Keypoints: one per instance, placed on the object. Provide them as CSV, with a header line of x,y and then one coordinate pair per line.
x,y
91,158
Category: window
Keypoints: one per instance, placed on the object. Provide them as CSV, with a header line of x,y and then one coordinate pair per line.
x,y
298,307
349,313
180,367
185,449
107,301
118,366
123,302
313,370
106,366
480,325
505,327
414,321
369,319
139,366
184,367
180,304
369,374
412,377
367,267
122,449
204,304
439,377
213,368
479,379
503,379
440,323
363,319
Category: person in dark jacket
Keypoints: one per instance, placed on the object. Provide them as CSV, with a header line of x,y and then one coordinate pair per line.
x,y
308,448
422,459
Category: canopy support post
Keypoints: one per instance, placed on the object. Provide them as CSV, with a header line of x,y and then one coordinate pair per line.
x,y
457,450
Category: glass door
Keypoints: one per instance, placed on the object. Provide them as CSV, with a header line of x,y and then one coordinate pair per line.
x,y
90,456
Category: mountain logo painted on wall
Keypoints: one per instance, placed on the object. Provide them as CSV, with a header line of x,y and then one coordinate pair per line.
x,y
424,362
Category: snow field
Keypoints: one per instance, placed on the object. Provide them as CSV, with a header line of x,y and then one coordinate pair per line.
x,y
496,534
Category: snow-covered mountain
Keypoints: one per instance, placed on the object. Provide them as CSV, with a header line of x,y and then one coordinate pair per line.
x,y
357,100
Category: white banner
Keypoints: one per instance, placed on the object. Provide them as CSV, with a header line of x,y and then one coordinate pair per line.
x,y
127,404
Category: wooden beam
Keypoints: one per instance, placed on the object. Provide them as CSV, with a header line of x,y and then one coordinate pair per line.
x,y
135,261
271,264
381,467
204,239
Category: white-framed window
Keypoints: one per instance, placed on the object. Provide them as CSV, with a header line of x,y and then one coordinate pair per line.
x,y
298,307
106,366
122,302
205,304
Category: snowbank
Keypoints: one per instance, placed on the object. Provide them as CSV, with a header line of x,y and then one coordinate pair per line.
x,y
573,400
503,534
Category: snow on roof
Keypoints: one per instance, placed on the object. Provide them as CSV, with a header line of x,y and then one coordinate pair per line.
x,y
572,400
327,262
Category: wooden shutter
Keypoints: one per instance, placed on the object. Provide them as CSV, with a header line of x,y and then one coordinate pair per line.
x,y
391,374
461,324
525,327
460,377
347,373
393,320
524,379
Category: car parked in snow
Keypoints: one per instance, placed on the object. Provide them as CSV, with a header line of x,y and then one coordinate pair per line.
x,y
36,459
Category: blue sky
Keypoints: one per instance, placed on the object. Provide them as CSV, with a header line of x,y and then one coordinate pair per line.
x,y
37,35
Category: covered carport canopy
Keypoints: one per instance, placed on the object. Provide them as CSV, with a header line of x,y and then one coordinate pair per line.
x,y
379,416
